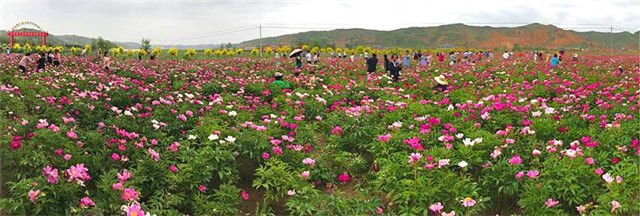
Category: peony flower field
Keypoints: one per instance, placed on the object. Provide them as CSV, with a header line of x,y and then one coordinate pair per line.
x,y
215,137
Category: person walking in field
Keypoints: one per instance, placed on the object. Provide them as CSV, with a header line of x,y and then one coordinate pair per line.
x,y
371,63
22,65
386,64
407,60
575,57
452,58
555,61
440,57
394,67
308,57
299,61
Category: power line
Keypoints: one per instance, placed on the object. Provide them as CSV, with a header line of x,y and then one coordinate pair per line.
x,y
226,32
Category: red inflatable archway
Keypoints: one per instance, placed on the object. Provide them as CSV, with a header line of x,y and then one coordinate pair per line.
x,y
42,34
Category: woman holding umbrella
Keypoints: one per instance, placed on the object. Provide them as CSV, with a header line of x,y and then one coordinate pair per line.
x,y
296,53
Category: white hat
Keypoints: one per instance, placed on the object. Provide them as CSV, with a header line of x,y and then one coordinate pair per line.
x,y
441,80
278,74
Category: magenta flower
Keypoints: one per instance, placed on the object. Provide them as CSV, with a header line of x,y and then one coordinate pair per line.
x,y
532,173
437,208
515,159
33,195
614,206
309,161
202,188
173,168
124,176
343,177
468,202
78,173
305,174
71,134
133,209
337,130
414,157
117,186
519,174
265,155
51,174
86,202
244,195
384,138
154,155
115,156
550,203
129,194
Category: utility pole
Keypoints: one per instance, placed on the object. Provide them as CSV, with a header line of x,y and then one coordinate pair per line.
x,y
612,40
260,40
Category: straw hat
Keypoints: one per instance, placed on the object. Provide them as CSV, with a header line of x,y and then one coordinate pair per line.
x,y
441,80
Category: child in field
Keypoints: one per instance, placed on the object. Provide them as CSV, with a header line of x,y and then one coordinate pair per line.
x,y
22,66
555,61
56,58
407,60
41,61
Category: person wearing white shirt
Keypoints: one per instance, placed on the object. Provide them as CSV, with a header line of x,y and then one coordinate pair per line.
x,y
505,55
308,58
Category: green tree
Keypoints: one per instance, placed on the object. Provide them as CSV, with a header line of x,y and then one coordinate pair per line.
x,y
145,44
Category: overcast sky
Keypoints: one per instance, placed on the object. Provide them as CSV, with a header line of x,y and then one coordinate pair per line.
x,y
221,21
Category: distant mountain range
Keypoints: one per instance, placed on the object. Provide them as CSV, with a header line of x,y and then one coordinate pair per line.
x,y
454,35
457,35
76,40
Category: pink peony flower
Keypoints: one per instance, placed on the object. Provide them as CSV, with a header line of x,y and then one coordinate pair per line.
x,y
202,188
51,174
244,195
33,195
115,156
133,209
437,208
309,161
532,173
550,203
305,174
117,186
515,159
519,174
384,138
337,130
129,194
86,202
265,155
154,155
414,157
173,168
343,177
468,202
614,206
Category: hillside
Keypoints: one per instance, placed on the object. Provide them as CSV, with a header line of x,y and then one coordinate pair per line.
x,y
485,37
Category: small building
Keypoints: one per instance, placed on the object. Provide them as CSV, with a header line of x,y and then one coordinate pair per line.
x,y
447,46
